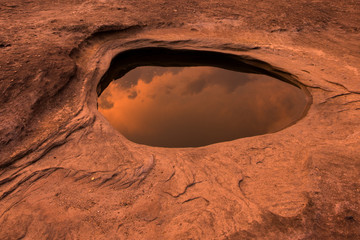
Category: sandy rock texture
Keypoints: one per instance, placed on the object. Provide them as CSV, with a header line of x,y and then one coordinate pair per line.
x,y
65,173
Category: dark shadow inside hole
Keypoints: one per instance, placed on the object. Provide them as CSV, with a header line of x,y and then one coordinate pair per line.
x,y
186,98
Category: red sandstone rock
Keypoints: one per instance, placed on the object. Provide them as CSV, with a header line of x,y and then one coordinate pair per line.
x,y
67,174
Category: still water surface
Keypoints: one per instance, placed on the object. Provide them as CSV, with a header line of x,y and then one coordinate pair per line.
x,y
197,106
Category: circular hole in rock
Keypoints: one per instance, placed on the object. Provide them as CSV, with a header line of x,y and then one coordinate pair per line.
x,y
184,98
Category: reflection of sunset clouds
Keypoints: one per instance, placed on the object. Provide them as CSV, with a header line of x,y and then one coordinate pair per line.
x,y
198,105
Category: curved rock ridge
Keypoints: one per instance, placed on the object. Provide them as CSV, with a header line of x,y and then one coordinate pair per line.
x,y
65,173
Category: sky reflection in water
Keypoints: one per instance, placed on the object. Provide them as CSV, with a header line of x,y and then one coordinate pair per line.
x,y
197,106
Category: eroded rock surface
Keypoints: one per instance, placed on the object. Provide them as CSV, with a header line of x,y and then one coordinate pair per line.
x,y
65,173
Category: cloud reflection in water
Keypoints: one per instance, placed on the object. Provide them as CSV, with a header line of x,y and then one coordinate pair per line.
x,y
197,106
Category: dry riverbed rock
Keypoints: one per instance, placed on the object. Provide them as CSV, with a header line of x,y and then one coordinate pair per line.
x,y
65,173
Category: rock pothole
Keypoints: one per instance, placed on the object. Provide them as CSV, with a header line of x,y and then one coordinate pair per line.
x,y
187,98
